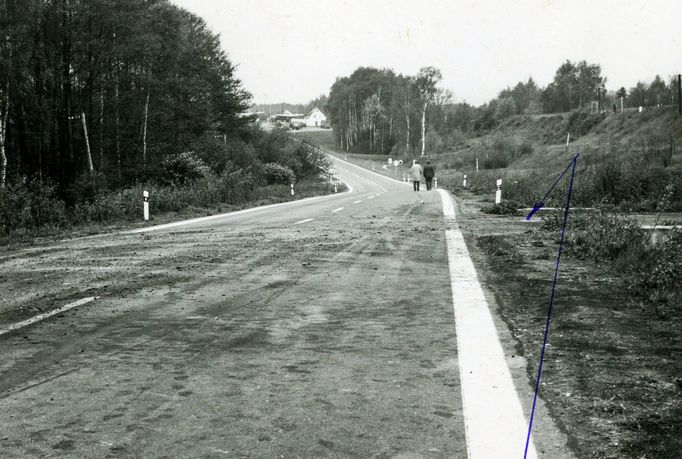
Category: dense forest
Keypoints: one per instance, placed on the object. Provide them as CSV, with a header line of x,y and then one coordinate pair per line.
x,y
100,99
377,110
108,86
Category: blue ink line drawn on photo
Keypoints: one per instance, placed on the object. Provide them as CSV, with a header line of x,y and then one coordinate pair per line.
x,y
536,207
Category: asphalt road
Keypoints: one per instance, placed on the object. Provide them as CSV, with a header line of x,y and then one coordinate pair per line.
x,y
319,328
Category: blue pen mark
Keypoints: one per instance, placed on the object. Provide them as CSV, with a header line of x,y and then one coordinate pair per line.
x,y
537,207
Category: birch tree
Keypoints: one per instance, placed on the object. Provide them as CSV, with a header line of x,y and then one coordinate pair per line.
x,y
426,82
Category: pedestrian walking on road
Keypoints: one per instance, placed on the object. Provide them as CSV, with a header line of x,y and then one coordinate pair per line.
x,y
429,174
417,175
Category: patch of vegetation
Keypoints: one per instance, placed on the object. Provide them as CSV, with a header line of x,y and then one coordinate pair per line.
x,y
651,271
185,180
504,208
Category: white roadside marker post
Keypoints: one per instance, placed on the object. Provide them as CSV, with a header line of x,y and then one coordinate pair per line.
x,y
498,193
568,139
464,184
145,197
476,164
435,182
292,189
336,184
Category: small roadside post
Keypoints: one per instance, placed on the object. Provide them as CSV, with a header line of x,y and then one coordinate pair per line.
x,y
336,185
292,189
395,164
464,184
435,182
476,164
498,193
568,139
145,198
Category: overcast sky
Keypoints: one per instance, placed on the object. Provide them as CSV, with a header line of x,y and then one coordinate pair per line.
x,y
293,50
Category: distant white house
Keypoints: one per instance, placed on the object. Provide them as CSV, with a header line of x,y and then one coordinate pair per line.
x,y
314,119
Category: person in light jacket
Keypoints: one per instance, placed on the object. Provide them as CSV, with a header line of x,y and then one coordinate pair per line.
x,y
417,175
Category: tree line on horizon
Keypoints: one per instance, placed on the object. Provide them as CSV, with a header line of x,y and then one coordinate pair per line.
x,y
106,89
379,111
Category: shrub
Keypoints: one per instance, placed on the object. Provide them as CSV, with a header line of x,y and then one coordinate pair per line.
x,y
30,205
183,168
609,237
658,275
652,272
504,208
277,173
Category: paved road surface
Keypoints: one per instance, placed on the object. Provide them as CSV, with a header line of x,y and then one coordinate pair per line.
x,y
321,328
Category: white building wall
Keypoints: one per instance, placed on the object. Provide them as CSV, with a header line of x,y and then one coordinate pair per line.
x,y
315,118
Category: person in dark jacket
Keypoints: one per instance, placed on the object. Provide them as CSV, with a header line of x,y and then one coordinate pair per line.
x,y
429,173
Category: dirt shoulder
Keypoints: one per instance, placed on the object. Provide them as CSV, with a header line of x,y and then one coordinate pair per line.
x,y
44,236
612,367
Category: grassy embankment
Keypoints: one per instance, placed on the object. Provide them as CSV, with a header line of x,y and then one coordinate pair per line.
x,y
612,370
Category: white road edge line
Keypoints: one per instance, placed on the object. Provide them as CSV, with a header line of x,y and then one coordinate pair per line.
x,y
238,212
371,197
304,221
337,210
45,315
373,172
493,417
358,201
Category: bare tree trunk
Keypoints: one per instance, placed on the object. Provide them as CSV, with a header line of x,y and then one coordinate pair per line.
x,y
4,122
350,126
407,137
118,128
144,131
424,128
4,116
91,169
101,130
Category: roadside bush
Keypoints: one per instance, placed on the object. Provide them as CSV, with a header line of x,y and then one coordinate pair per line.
x,y
277,173
652,272
183,168
658,275
30,205
504,208
257,167
609,237
434,142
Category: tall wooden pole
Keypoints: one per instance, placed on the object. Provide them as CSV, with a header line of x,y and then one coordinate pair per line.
x,y
679,93
91,169
144,132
